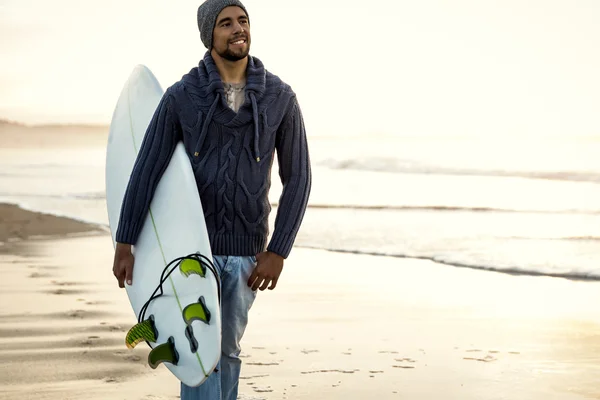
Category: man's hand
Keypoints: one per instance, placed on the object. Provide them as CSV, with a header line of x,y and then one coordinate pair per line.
x,y
123,264
267,270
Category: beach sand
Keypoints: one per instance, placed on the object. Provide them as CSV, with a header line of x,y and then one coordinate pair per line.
x,y
338,326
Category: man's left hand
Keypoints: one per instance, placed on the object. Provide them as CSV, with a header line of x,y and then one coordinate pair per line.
x,y
268,268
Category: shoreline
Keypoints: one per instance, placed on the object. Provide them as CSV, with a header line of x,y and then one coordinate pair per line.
x,y
513,272
19,224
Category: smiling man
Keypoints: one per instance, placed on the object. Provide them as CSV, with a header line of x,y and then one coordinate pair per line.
x,y
233,117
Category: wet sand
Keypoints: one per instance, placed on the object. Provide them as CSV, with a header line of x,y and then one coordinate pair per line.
x,y
17,223
338,326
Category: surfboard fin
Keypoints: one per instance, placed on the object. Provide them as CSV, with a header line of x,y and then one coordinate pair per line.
x,y
143,331
191,266
163,353
197,312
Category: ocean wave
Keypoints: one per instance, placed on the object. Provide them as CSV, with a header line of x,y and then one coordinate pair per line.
x,y
376,207
88,196
566,238
571,275
400,166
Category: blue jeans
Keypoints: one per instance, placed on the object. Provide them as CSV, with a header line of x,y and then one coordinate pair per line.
x,y
236,300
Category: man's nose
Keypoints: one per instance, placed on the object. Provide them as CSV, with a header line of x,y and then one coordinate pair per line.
x,y
238,28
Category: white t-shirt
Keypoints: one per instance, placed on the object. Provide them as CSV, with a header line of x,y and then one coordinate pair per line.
x,y
234,92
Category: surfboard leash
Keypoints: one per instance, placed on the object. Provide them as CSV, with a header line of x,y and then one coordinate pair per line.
x,y
186,271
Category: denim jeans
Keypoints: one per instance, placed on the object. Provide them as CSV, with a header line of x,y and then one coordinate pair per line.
x,y
236,300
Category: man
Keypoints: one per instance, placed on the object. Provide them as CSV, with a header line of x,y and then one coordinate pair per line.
x,y
232,116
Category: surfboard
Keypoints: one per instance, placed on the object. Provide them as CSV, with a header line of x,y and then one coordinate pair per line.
x,y
175,289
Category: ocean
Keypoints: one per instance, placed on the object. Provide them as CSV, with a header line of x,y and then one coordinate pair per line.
x,y
526,206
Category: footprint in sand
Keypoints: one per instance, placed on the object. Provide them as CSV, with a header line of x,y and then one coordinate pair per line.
x,y
47,267
133,358
39,275
330,370
487,358
388,352
57,283
97,303
410,360
309,351
88,342
403,366
262,390
116,328
243,396
76,314
262,364
254,376
64,291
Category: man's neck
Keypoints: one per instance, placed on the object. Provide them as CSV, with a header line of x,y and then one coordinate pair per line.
x,y
230,71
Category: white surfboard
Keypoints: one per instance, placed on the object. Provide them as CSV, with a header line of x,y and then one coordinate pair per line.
x,y
174,228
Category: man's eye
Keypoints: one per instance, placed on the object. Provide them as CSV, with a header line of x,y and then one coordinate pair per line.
x,y
225,25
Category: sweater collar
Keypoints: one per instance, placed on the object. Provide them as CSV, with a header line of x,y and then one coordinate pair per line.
x,y
255,76
211,84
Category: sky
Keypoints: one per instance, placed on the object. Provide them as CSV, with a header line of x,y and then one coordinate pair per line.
x,y
379,67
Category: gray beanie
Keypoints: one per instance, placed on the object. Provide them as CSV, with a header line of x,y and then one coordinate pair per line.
x,y
207,17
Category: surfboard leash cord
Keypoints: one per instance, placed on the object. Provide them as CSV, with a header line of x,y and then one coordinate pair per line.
x,y
202,259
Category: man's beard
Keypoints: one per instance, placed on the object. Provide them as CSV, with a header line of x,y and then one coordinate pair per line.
x,y
231,55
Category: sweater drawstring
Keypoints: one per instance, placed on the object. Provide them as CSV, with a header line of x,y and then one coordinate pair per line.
x,y
255,118
207,121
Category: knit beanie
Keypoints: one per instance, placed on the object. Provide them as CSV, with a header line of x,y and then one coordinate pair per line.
x,y
207,17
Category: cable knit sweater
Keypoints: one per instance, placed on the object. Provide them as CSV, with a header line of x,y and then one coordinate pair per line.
x,y
232,156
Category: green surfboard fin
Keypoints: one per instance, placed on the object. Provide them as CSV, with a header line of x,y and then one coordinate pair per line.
x,y
196,312
192,267
165,352
143,331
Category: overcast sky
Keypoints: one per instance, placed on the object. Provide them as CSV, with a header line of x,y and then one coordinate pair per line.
x,y
426,67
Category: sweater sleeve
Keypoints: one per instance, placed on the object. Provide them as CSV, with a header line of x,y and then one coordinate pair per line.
x,y
296,177
152,160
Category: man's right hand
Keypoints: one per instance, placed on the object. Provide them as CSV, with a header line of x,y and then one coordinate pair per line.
x,y
123,264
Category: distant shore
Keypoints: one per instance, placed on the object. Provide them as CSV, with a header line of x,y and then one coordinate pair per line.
x,y
19,135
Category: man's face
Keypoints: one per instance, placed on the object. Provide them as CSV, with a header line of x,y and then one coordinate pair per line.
x,y
231,37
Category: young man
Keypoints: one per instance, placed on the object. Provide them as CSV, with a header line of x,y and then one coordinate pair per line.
x,y
232,116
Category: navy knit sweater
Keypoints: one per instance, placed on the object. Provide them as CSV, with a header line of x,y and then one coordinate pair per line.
x,y
232,156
